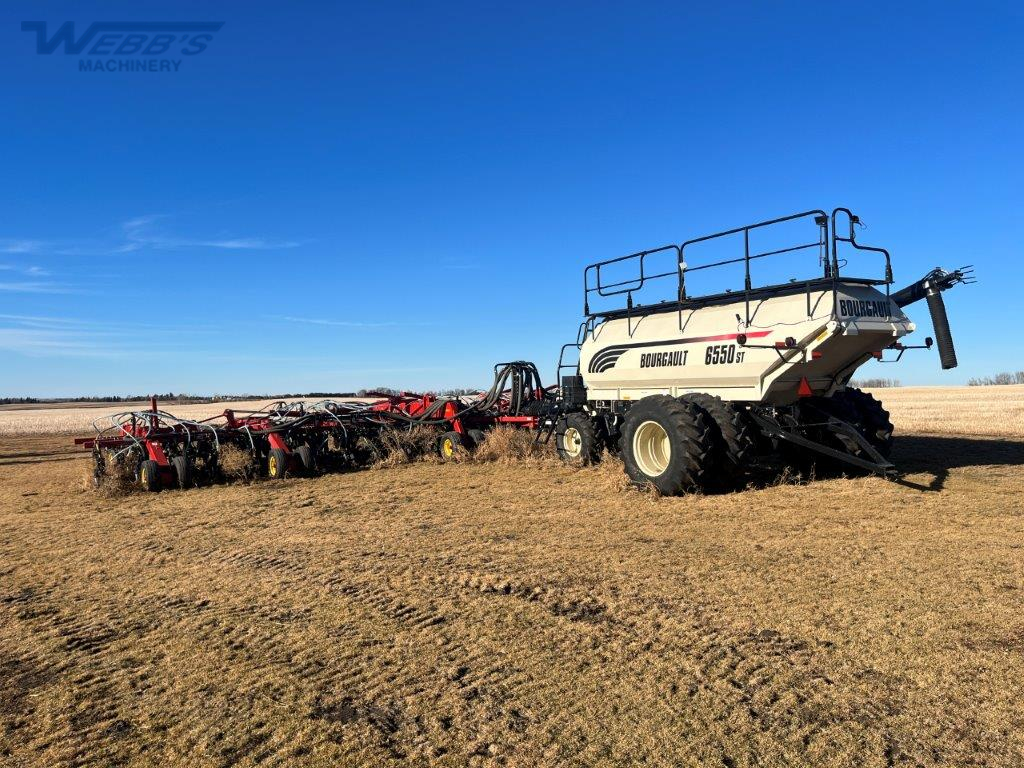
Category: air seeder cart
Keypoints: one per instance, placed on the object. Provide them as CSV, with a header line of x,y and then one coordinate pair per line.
x,y
690,387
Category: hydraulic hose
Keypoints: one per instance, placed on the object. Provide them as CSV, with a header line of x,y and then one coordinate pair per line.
x,y
486,402
943,337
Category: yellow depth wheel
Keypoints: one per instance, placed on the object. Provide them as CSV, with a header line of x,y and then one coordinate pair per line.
x,y
449,444
277,463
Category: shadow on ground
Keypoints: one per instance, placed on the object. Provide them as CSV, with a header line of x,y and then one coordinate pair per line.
x,y
937,455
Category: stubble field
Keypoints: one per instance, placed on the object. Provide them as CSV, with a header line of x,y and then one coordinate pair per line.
x,y
524,613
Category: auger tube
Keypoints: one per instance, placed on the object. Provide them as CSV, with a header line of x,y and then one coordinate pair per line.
x,y
943,337
930,287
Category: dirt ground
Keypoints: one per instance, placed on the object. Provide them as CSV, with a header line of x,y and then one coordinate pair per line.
x,y
515,614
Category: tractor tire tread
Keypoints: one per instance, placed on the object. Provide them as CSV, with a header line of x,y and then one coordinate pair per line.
x,y
690,423
590,450
734,437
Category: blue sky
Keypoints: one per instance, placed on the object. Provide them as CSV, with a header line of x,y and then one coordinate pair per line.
x,y
338,195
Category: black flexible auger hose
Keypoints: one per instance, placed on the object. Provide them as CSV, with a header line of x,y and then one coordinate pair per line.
x,y
488,401
943,336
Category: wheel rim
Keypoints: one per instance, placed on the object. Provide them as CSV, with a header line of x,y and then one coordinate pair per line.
x,y
272,466
448,448
572,442
144,476
651,448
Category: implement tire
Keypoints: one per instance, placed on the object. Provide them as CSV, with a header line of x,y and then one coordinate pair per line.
x,y
475,437
576,440
182,471
667,443
307,458
149,475
277,463
734,438
449,445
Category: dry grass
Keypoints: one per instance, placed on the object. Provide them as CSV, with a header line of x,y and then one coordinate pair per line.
x,y
515,613
949,410
956,410
236,463
117,479
403,446
508,444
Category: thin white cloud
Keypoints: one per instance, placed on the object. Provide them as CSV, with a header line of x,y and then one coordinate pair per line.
x,y
140,232
343,323
55,336
35,287
50,343
44,321
32,271
20,246
151,231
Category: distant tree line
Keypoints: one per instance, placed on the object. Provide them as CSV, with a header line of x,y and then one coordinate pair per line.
x,y
182,398
1017,377
876,383
168,397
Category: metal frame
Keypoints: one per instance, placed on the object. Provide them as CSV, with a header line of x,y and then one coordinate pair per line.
x,y
827,244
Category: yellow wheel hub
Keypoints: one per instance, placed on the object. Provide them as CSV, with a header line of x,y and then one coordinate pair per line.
x,y
273,466
572,442
448,448
651,448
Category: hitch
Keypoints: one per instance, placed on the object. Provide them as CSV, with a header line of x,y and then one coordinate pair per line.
x,y
877,463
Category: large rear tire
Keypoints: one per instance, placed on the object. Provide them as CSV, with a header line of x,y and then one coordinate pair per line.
x,y
667,443
576,440
873,420
734,438
860,411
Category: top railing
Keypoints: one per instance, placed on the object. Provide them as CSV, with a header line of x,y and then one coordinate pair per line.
x,y
596,280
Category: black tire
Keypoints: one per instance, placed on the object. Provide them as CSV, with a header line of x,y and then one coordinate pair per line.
x,y
681,442
449,445
576,439
872,419
475,437
307,457
367,451
856,408
149,475
182,471
812,411
734,437
277,463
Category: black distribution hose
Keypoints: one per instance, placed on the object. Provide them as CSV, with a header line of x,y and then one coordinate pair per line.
x,y
485,403
943,337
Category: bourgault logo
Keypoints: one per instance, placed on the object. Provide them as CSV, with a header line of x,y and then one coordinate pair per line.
x,y
136,46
